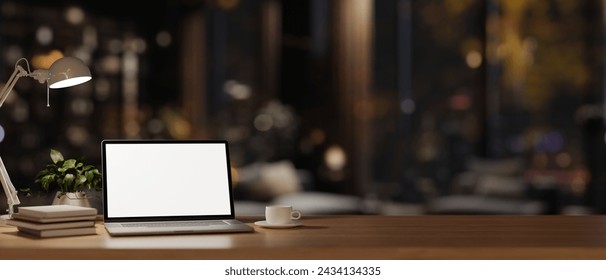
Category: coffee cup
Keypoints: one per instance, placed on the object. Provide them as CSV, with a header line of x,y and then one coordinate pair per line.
x,y
281,214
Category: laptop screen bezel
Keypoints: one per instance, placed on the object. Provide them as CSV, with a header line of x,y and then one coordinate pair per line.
x,y
106,142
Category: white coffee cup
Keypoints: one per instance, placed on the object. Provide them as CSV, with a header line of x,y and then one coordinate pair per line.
x,y
281,214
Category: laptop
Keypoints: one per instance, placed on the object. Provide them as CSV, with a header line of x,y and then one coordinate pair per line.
x,y
167,187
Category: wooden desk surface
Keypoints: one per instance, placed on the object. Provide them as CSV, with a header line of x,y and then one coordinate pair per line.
x,y
343,237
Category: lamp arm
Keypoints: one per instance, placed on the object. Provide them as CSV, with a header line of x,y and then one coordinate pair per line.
x,y
5,180
9,189
8,87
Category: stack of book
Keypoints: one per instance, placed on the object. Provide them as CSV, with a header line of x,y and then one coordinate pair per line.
x,y
55,220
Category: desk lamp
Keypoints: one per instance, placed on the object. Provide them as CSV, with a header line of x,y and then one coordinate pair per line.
x,y
64,72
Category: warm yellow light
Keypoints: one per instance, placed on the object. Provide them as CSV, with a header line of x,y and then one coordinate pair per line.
x,y
44,61
473,59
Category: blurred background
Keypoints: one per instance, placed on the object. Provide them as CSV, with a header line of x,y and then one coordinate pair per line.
x,y
396,107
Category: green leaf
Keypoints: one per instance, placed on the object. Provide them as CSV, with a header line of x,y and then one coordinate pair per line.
x,y
69,164
56,156
80,179
89,175
43,172
50,168
47,178
68,182
46,181
26,191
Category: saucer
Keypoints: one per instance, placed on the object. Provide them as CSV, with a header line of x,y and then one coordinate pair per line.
x,y
266,225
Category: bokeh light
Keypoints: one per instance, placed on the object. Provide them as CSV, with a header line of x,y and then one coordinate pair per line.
x,y
335,158
263,122
164,39
44,61
2,133
473,59
44,35
74,15
407,106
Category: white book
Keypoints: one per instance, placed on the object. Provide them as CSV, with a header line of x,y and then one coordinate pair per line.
x,y
60,232
18,216
56,211
39,226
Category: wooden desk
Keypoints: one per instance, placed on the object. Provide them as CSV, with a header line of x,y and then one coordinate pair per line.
x,y
344,237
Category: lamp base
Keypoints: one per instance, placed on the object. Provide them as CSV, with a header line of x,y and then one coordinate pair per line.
x,y
3,220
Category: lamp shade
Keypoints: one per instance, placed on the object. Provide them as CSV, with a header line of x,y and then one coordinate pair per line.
x,y
67,72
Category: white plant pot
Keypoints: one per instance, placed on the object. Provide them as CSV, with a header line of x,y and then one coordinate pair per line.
x,y
71,198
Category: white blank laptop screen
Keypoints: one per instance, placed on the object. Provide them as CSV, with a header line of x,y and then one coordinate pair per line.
x,y
159,179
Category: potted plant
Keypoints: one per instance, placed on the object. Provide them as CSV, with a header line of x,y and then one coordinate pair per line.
x,y
72,177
